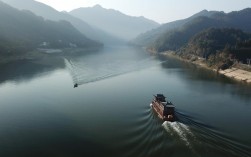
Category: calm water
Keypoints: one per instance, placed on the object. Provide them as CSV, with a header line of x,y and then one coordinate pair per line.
x,y
109,114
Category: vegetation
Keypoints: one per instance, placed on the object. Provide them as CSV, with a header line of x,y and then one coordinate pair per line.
x,y
220,38
175,37
149,37
50,13
22,31
220,47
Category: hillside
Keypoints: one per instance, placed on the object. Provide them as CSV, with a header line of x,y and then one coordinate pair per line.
x,y
22,31
149,37
175,39
114,22
49,13
219,46
212,40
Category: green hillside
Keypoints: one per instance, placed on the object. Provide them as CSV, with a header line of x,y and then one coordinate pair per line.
x,y
219,46
22,31
175,38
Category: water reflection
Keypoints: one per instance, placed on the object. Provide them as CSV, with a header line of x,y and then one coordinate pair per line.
x,y
194,74
25,70
111,117
109,63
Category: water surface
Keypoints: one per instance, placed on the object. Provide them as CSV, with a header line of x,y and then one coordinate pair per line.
x,y
109,114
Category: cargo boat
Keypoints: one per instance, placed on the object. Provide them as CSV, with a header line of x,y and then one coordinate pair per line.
x,y
163,108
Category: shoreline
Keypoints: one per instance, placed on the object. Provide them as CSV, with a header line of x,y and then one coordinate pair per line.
x,y
235,73
41,54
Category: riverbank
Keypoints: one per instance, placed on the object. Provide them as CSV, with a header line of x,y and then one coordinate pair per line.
x,y
237,72
43,54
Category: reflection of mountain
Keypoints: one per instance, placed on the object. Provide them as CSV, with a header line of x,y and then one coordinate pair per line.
x,y
195,72
114,22
25,70
191,73
49,13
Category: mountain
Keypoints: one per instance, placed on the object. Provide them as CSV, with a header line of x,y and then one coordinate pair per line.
x,y
114,22
49,13
149,37
22,31
176,38
212,40
220,47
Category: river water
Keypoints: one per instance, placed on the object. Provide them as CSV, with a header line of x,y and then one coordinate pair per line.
x,y
109,113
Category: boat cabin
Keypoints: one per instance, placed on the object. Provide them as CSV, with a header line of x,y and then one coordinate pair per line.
x,y
165,108
75,85
160,97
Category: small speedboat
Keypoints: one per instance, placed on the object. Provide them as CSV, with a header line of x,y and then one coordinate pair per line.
x,y
163,108
75,85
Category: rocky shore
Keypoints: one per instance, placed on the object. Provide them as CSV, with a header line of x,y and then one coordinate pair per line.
x,y
234,72
238,74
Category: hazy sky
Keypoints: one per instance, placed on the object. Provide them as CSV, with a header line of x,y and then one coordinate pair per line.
x,y
161,11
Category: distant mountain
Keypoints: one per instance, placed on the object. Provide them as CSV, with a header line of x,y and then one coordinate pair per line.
x,y
22,31
114,22
176,38
149,37
49,13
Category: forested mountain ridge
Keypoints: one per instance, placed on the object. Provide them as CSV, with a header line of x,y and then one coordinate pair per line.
x,y
50,13
22,31
174,35
114,22
175,39
152,35
212,41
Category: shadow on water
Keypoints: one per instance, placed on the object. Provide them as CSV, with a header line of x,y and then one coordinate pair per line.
x,y
25,70
197,77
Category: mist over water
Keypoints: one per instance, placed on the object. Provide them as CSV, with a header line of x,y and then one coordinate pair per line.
x,y
109,113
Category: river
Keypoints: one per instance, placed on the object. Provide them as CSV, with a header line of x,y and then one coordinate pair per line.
x,y
109,113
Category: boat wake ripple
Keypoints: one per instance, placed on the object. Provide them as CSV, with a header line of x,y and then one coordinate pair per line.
x,y
181,130
85,72
199,136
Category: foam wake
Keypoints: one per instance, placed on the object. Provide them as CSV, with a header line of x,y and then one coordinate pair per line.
x,y
181,130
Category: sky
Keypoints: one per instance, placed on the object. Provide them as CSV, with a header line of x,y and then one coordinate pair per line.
x,y
161,11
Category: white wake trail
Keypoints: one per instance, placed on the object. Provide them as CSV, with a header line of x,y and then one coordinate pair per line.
x,y
179,129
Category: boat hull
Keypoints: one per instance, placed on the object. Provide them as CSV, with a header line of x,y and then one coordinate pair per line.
x,y
159,109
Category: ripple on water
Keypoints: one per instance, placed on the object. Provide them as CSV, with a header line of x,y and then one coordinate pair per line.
x,y
201,138
83,72
145,134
